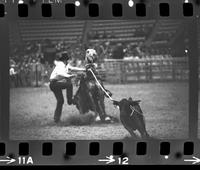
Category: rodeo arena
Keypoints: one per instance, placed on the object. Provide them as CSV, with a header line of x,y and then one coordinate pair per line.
x,y
124,79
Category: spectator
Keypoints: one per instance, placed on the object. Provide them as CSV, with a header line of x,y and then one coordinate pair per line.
x,y
118,52
13,80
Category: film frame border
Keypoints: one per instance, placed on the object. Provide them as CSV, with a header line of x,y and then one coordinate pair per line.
x,y
57,9
177,145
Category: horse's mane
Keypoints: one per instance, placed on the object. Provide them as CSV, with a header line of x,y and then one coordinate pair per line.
x,y
89,75
84,79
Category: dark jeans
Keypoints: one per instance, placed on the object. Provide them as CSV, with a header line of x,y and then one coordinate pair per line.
x,y
57,87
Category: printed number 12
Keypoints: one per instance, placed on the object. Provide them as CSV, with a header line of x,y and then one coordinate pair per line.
x,y
123,161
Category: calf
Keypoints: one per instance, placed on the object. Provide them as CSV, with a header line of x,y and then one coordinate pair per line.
x,y
131,117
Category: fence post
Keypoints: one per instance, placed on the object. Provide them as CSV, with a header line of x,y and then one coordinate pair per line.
x,y
36,75
162,76
122,72
173,70
138,71
150,70
146,70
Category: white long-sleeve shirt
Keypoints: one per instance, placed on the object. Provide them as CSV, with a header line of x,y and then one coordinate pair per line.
x,y
12,71
62,71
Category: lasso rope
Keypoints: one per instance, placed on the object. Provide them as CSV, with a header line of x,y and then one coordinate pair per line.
x,y
131,107
134,110
101,85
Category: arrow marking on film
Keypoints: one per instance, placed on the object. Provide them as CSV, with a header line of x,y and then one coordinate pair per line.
x,y
195,160
109,159
8,160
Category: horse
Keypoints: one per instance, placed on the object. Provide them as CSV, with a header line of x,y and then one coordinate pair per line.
x,y
131,117
90,97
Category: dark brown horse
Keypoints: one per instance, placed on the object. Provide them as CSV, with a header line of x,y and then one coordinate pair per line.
x,y
90,97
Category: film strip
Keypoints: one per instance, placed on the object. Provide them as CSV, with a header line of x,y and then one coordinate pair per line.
x,y
138,107
93,8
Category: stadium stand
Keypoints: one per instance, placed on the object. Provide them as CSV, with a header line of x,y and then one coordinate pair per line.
x,y
68,31
120,31
150,33
165,31
150,41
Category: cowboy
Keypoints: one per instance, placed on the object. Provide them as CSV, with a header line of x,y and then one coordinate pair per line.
x,y
60,79
13,76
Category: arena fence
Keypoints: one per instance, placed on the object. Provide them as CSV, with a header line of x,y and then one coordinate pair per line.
x,y
118,71
146,70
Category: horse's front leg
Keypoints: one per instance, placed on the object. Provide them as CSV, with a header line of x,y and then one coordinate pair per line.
x,y
101,105
102,111
93,104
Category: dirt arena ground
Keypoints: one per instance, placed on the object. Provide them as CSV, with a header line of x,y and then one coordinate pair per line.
x,y
165,107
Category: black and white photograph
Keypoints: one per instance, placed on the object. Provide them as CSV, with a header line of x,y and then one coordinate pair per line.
x,y
98,79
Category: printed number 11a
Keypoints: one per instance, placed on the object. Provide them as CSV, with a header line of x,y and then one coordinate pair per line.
x,y
123,161
25,161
